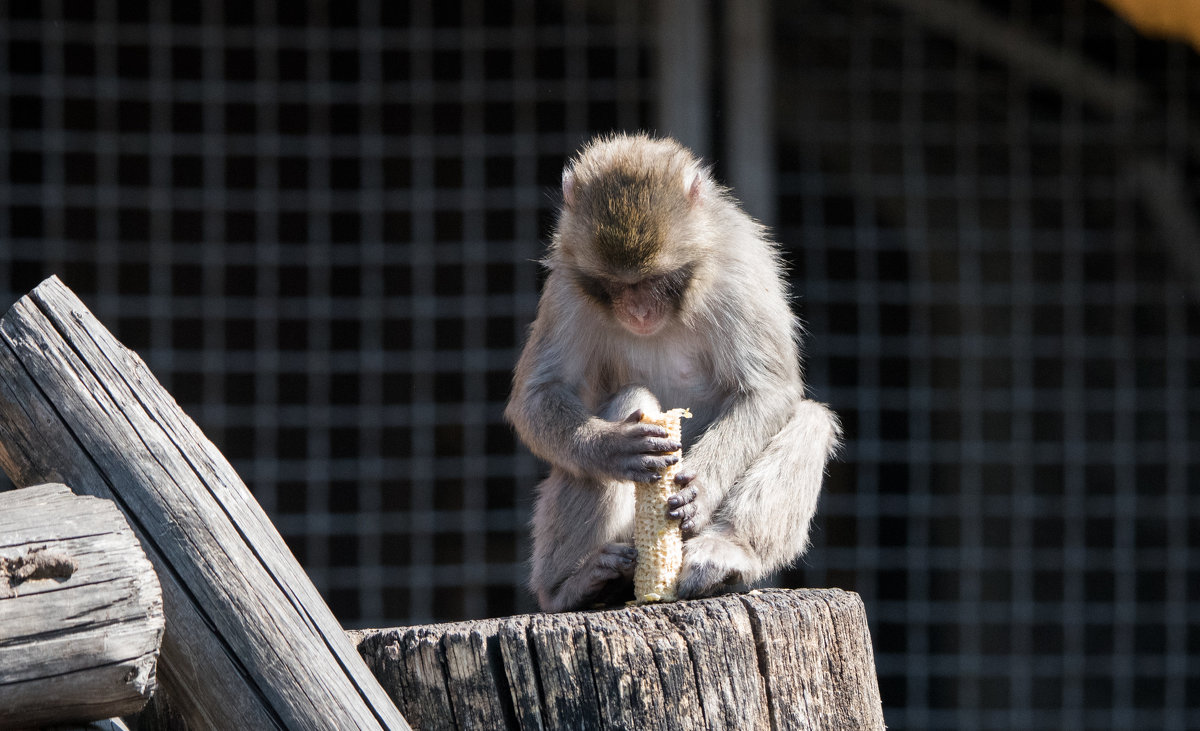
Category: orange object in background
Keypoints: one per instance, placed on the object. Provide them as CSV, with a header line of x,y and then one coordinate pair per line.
x,y
1166,18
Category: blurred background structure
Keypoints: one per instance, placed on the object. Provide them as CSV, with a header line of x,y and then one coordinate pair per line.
x,y
318,223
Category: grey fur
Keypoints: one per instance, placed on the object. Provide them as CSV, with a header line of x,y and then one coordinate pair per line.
x,y
730,353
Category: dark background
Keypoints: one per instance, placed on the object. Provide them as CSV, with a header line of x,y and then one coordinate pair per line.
x,y
318,224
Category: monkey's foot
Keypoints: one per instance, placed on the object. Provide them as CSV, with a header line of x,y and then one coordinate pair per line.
x,y
601,574
712,562
613,561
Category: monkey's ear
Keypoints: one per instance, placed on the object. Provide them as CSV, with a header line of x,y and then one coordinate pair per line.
x,y
568,187
694,188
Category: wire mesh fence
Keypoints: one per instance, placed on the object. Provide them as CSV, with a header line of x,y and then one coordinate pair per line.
x,y
319,223
995,267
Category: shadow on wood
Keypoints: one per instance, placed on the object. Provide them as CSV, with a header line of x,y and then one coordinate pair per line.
x,y
798,659
81,612
249,642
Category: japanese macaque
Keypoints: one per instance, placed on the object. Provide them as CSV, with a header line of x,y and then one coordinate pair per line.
x,y
663,293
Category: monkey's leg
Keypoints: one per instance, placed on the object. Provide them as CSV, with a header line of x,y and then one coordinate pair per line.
x,y
624,402
762,525
582,542
583,529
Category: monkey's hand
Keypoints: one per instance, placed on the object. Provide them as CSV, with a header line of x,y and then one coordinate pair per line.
x,y
683,506
631,450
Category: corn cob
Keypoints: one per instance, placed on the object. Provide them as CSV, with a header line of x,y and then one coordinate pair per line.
x,y
657,538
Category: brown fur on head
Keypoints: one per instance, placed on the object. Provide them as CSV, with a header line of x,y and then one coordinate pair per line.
x,y
631,230
626,198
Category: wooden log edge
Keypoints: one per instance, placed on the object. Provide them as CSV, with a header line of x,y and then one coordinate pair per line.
x,y
81,610
769,659
250,643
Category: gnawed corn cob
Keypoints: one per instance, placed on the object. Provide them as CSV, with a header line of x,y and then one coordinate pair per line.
x,y
657,538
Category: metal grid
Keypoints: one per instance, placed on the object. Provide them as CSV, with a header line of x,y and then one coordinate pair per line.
x,y
996,272
317,223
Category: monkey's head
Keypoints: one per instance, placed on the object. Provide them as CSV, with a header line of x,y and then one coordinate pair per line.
x,y
632,230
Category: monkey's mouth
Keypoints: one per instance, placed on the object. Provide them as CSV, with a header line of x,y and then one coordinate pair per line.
x,y
643,326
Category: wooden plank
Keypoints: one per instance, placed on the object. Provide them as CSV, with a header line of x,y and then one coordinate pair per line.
x,y
721,640
774,659
408,663
108,724
673,662
81,611
748,122
252,644
475,675
560,644
683,73
806,689
521,673
855,683
627,682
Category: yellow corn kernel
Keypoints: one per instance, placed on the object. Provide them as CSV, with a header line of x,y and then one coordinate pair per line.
x,y
657,538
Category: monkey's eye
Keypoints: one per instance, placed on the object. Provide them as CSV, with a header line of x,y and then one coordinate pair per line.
x,y
672,286
595,288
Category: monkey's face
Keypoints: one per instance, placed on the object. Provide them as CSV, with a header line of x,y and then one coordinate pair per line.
x,y
642,306
632,228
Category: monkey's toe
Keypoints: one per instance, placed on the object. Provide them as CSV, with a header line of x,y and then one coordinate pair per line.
x,y
700,580
618,558
711,563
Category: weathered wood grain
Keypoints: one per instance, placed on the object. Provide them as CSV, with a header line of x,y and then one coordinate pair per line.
x,y
674,664
632,698
521,672
801,634
565,671
777,659
108,724
81,612
250,643
735,697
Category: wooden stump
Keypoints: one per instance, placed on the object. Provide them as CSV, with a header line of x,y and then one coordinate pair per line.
x,y
81,614
249,641
780,659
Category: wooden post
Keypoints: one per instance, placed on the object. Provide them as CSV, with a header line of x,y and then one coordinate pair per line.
x,y
249,641
81,614
775,659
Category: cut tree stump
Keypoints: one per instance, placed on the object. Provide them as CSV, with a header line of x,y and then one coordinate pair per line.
x,y
775,659
81,613
249,642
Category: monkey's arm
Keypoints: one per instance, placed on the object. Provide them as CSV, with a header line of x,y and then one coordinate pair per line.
x,y
551,419
729,445
555,427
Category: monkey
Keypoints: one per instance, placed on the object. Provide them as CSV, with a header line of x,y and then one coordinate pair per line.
x,y
660,293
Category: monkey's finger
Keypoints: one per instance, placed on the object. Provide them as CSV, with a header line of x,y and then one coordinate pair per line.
x,y
683,497
659,446
684,478
648,430
616,562
623,550
634,417
658,463
685,512
645,468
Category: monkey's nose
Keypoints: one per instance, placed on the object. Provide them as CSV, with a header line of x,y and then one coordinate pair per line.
x,y
643,317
